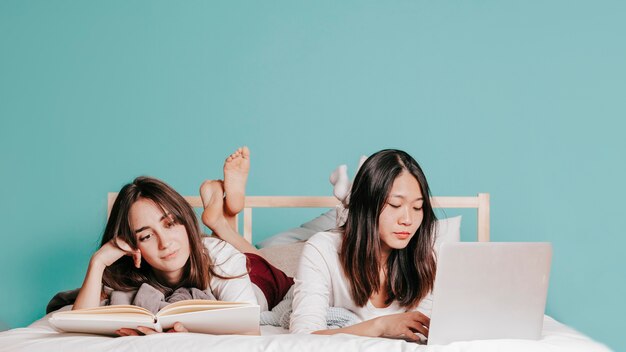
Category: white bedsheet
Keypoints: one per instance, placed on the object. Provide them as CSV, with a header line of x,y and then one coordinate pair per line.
x,y
40,336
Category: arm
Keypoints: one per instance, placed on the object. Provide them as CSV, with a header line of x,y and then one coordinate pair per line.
x,y
393,325
89,294
230,262
312,291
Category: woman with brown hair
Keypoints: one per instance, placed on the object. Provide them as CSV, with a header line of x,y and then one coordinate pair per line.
x,y
153,247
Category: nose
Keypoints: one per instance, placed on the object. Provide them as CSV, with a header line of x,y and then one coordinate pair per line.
x,y
406,218
164,241
166,245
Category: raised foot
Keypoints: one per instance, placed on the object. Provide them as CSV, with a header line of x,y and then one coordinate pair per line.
x,y
236,168
212,195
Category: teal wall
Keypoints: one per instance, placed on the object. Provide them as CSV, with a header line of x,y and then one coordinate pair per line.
x,y
521,99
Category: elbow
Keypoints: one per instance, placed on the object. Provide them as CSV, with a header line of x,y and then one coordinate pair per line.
x,y
298,326
301,331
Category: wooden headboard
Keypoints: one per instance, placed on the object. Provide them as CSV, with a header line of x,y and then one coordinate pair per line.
x,y
479,202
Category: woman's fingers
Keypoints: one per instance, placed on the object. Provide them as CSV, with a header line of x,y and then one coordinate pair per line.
x,y
405,325
417,326
419,322
178,327
146,330
137,258
121,244
409,334
420,317
127,332
127,249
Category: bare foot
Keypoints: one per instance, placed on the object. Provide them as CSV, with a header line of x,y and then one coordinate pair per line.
x,y
212,194
236,168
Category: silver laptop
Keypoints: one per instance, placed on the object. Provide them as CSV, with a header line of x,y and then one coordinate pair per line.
x,y
489,290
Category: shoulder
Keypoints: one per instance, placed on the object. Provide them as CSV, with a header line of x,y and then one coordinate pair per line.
x,y
215,245
326,241
221,252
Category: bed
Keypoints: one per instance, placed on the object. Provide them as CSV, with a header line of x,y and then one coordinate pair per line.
x,y
41,336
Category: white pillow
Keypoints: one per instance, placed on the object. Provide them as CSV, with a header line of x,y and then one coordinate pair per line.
x,y
448,230
284,252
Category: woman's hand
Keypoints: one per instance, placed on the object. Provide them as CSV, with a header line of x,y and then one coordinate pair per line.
x,y
142,330
89,295
403,325
114,250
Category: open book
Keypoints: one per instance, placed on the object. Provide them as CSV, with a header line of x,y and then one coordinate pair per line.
x,y
205,316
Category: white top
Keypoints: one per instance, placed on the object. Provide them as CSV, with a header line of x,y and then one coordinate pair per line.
x,y
228,261
320,283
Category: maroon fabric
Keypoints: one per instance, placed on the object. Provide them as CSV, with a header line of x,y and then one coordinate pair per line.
x,y
272,281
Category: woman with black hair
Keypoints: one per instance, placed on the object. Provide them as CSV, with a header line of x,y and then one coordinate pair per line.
x,y
380,264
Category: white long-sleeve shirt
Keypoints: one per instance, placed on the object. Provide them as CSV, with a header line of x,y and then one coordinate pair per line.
x,y
229,262
320,283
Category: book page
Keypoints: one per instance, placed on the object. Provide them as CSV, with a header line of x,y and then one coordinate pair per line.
x,y
197,305
117,309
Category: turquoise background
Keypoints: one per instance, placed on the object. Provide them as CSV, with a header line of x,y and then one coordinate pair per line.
x,y
521,99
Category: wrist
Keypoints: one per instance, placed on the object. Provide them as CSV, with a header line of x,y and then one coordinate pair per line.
x,y
96,264
377,327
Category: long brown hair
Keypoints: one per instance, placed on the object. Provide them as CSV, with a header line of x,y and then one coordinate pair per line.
x,y
411,270
123,275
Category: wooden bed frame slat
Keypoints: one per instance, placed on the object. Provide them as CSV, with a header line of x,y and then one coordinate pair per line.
x,y
479,202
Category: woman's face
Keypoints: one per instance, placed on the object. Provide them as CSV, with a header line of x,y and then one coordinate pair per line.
x,y
402,213
163,243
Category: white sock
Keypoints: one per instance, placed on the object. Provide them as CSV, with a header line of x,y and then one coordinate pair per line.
x,y
346,200
361,161
339,179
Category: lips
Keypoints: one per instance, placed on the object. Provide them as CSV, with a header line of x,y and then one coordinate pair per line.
x,y
402,235
170,255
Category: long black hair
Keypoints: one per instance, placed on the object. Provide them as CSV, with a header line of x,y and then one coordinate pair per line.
x,y
410,270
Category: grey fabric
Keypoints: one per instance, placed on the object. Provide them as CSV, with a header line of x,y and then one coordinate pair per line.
x,y
281,313
149,297
146,296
